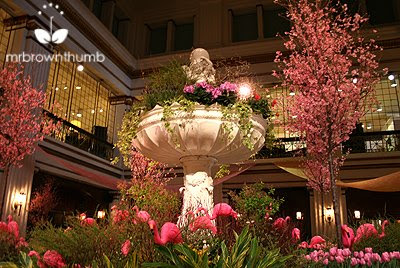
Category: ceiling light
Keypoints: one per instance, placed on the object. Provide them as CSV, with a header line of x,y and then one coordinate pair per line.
x,y
78,87
39,12
391,77
65,87
61,12
101,110
56,6
294,116
92,111
292,93
80,66
355,80
57,88
44,6
51,4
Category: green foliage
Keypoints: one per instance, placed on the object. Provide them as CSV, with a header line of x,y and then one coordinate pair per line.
x,y
82,244
8,246
260,107
390,242
253,202
246,252
165,85
151,196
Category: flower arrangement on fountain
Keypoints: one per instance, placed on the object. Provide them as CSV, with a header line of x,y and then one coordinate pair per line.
x,y
190,117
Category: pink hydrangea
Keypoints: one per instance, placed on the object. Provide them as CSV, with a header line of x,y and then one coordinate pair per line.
x,y
188,89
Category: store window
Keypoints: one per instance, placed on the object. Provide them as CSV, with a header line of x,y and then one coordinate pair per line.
x,y
275,22
158,40
244,27
83,100
183,36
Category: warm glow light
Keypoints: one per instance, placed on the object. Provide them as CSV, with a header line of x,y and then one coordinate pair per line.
x,y
393,84
292,93
101,110
379,109
57,88
294,116
82,216
355,80
101,214
19,200
80,66
76,123
92,111
298,215
357,214
78,87
65,87
391,77
329,214
369,126
245,91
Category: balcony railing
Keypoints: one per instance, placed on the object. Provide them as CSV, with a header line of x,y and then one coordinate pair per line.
x,y
367,142
82,139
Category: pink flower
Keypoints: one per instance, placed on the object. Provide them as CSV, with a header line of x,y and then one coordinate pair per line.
x,y
368,250
296,234
88,222
386,257
353,262
53,259
13,228
346,252
307,257
34,253
126,247
361,262
188,89
339,259
333,251
325,262
303,244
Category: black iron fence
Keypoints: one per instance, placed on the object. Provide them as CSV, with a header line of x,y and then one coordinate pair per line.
x,y
82,139
367,142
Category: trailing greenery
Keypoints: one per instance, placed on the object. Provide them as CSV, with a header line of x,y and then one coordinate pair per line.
x,y
170,84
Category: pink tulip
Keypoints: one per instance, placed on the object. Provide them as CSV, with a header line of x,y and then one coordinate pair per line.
x,y
353,262
361,262
325,262
307,257
295,234
386,257
368,250
346,252
333,251
339,259
126,247
303,244
355,253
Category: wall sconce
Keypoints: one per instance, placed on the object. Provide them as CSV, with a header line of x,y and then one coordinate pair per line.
x,y
101,214
299,215
357,214
19,200
329,214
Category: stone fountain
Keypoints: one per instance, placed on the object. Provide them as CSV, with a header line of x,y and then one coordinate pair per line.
x,y
196,140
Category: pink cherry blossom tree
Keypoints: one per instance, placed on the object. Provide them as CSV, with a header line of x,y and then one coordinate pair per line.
x,y
332,70
21,118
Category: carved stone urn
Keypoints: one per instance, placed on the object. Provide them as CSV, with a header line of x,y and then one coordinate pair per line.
x,y
197,140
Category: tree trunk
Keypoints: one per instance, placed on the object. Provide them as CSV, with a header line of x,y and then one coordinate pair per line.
x,y
3,190
198,185
323,211
336,206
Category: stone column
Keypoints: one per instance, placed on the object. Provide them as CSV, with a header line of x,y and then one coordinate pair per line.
x,y
321,224
170,35
107,13
120,110
260,22
210,23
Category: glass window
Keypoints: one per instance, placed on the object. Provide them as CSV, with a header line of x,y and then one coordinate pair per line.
x,y
183,37
158,40
381,13
244,27
97,5
275,22
6,37
84,101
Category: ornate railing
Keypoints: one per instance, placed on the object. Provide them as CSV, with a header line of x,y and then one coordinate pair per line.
x,y
82,139
367,142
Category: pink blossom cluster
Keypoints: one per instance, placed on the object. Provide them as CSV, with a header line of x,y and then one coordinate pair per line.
x,y
21,120
332,71
119,215
226,87
51,258
9,233
339,256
